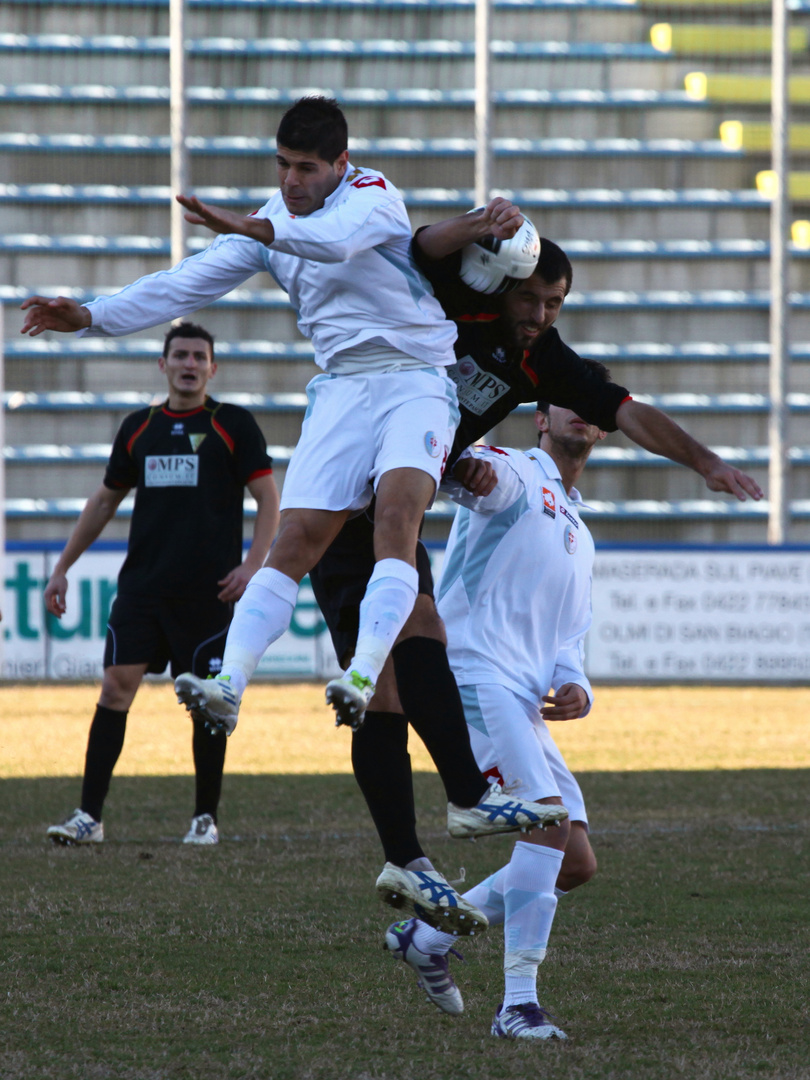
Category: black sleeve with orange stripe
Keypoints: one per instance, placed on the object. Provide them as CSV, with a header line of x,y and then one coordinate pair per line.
x,y
457,299
239,429
122,469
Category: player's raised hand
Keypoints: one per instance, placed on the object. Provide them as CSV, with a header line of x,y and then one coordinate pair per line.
x,y
503,218
721,476
55,595
219,220
53,313
569,702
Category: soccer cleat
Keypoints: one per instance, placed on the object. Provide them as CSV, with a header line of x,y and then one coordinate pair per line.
x,y
210,700
203,831
427,895
499,813
526,1021
349,696
432,970
79,828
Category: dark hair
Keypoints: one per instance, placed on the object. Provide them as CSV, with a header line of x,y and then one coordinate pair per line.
x,y
598,369
314,124
554,264
187,330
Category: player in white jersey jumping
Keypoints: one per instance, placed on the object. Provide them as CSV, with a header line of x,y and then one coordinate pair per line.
x,y
515,596
380,420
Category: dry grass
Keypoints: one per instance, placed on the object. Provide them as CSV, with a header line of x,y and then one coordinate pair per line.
x,y
286,728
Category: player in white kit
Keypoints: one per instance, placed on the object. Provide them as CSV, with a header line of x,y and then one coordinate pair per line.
x,y
515,596
380,419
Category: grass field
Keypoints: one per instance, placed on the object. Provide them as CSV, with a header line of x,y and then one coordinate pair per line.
x,y
687,956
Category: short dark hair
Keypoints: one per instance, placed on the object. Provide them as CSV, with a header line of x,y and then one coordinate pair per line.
x,y
314,124
187,330
596,366
554,264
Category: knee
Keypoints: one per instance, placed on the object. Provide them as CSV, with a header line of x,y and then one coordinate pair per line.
x,y
578,871
424,621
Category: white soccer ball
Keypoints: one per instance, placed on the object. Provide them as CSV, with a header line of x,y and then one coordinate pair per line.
x,y
496,266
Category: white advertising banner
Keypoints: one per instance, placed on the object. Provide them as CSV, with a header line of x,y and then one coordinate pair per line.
x,y
701,615
660,614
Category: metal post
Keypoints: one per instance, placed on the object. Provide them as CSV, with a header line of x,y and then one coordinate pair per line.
x,y
483,107
777,421
2,485
177,98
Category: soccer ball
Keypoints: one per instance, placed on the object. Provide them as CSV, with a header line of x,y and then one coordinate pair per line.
x,y
496,266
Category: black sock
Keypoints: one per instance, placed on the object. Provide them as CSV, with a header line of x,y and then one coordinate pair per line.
x,y
429,695
104,745
209,762
382,768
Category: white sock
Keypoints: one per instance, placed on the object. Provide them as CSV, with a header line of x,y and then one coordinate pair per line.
x,y
261,616
390,595
432,942
530,904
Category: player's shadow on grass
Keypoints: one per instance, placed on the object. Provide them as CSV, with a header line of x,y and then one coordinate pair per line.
x,y
271,806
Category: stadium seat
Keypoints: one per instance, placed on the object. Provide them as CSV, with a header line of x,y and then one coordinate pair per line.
x,y
742,89
756,137
721,40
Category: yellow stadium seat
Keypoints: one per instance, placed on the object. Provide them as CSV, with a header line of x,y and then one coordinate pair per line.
x,y
745,135
800,234
721,40
743,89
798,184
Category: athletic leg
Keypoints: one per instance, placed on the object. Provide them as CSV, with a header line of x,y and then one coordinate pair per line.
x,y
107,731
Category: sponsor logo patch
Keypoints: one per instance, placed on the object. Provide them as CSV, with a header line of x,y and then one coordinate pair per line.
x,y
172,470
369,181
567,513
431,443
477,389
549,506
178,428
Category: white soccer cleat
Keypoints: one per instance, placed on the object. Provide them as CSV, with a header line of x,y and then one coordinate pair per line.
x,y
427,895
432,970
500,813
527,1021
211,700
203,831
79,828
349,697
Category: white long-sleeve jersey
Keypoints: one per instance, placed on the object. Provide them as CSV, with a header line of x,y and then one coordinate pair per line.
x,y
515,588
346,268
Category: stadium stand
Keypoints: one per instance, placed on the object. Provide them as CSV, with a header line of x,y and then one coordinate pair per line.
x,y
605,140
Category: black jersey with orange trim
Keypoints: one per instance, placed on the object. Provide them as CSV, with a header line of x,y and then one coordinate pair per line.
x,y
493,376
189,470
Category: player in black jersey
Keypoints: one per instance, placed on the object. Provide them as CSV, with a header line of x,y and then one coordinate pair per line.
x,y
508,352
189,461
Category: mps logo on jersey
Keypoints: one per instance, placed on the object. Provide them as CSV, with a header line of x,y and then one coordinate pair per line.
x,y
171,470
477,389
549,506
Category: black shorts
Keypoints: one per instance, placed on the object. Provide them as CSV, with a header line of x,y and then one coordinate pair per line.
x,y
189,634
339,580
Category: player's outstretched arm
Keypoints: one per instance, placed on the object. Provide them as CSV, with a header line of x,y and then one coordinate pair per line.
x,y
656,432
219,220
499,218
98,510
53,313
264,491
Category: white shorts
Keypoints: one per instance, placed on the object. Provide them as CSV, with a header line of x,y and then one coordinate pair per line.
x,y
358,427
512,745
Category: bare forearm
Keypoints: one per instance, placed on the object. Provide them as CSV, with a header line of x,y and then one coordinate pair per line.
x,y
265,525
655,431
498,218
98,511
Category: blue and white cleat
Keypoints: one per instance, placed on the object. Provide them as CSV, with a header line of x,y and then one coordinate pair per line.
x,y
79,828
210,700
203,831
500,813
427,895
349,697
432,970
527,1021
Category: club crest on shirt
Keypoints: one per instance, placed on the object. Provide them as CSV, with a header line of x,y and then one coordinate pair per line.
x,y
195,440
548,503
570,540
431,443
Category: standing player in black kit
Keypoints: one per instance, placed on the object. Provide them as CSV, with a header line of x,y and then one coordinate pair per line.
x,y
189,460
508,352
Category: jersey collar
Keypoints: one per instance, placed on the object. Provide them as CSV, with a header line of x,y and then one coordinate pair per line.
x,y
550,468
